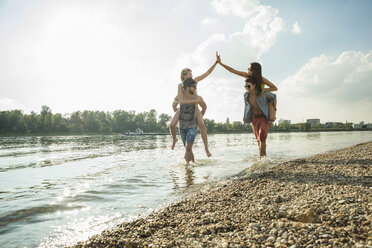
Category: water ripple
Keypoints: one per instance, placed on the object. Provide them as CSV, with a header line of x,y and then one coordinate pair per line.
x,y
28,215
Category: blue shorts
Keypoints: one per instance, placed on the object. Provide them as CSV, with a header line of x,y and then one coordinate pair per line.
x,y
188,135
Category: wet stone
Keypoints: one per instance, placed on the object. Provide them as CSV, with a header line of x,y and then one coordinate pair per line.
x,y
319,201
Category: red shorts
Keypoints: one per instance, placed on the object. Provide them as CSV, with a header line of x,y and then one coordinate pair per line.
x,y
260,128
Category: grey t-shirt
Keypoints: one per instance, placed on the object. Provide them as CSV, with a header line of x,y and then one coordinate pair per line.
x,y
188,114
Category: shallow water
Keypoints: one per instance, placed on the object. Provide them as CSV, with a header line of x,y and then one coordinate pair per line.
x,y
58,190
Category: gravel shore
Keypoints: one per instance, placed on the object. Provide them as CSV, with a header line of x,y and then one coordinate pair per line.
x,y
320,201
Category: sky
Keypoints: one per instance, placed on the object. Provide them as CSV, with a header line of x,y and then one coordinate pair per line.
x,y
109,55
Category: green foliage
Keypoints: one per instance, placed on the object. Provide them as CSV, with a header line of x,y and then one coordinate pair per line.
x,y
12,121
306,127
285,126
227,127
119,121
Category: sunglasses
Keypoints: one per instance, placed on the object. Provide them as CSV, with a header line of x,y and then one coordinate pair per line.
x,y
247,86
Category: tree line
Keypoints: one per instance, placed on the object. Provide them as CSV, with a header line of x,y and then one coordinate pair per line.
x,y
286,126
119,121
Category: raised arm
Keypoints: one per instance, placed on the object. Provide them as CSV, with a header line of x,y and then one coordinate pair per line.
x,y
230,69
180,97
203,105
272,87
206,74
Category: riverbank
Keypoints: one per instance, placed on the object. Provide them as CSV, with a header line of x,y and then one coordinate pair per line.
x,y
320,201
272,130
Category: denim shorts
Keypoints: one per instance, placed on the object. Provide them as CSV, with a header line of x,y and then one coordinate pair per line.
x,y
188,135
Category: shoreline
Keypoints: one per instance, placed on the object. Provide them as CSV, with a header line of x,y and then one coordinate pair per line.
x,y
323,200
168,134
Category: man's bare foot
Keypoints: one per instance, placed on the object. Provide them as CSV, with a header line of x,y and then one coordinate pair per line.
x,y
208,153
174,143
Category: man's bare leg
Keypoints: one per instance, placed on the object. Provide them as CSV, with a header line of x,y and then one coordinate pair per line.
x,y
192,157
172,128
189,156
203,132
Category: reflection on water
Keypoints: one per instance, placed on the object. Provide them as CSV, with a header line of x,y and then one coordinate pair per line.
x,y
313,136
283,136
187,180
57,190
189,177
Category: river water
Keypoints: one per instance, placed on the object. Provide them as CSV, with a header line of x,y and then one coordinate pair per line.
x,y
58,190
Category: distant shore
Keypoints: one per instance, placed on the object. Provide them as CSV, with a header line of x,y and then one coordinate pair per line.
x,y
320,201
10,134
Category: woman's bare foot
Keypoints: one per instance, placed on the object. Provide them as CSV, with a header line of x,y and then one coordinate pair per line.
x,y
208,153
174,143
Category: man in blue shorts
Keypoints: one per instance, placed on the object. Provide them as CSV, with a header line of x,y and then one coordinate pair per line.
x,y
188,113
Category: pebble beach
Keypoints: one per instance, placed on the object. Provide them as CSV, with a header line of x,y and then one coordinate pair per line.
x,y
320,201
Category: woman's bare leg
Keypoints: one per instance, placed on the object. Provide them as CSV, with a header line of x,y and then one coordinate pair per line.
x,y
272,112
203,132
172,127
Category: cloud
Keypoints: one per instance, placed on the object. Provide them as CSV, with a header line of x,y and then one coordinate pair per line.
x,y
99,55
261,29
261,26
210,22
296,28
240,8
224,98
257,36
7,103
107,55
332,89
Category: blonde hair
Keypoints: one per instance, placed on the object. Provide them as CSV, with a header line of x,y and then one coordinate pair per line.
x,y
184,73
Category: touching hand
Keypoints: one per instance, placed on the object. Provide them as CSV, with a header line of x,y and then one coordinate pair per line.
x,y
218,57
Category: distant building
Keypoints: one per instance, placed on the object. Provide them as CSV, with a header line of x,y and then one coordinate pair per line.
x,y
313,121
360,125
333,124
284,121
356,126
369,125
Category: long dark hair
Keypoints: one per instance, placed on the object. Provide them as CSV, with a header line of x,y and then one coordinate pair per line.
x,y
256,70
